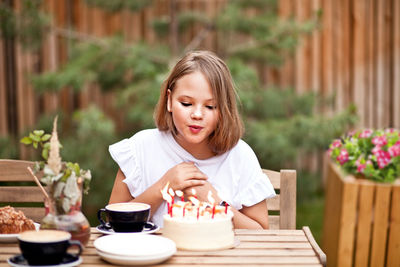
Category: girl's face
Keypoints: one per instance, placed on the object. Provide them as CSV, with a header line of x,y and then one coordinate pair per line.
x,y
194,112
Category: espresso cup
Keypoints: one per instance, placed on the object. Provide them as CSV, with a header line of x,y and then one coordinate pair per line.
x,y
125,217
46,247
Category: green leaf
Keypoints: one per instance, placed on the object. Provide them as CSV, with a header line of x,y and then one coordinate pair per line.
x,y
38,132
45,153
46,137
34,137
26,140
77,169
35,145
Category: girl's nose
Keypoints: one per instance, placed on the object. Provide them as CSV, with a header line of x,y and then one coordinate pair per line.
x,y
196,114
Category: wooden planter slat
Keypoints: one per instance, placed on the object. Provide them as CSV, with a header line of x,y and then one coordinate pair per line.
x,y
394,229
347,224
361,221
367,190
380,226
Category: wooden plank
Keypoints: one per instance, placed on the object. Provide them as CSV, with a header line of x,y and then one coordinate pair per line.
x,y
288,200
60,15
250,253
3,92
347,224
382,101
332,211
328,84
273,221
318,251
268,232
83,16
266,245
364,223
393,255
274,177
49,58
303,50
35,214
15,170
286,75
381,224
342,39
396,64
23,90
273,204
316,59
274,238
21,194
244,260
371,90
359,51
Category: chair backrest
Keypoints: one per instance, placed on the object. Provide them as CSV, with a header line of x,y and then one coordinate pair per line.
x,y
282,207
17,189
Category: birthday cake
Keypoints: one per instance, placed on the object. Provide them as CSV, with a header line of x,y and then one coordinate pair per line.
x,y
199,226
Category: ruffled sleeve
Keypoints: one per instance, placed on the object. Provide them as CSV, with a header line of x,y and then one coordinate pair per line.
x,y
260,189
254,185
124,154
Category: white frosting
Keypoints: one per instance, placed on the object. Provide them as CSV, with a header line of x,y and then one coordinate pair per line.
x,y
197,228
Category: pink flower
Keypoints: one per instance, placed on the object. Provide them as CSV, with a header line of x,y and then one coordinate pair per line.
x,y
382,158
376,150
379,140
336,143
343,156
361,167
366,133
351,133
394,150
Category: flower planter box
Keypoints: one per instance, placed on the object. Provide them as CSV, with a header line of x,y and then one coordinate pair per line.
x,y
361,221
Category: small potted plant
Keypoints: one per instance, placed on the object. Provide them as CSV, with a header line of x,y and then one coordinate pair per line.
x,y
362,200
65,182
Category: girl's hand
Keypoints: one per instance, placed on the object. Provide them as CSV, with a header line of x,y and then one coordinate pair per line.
x,y
202,192
184,175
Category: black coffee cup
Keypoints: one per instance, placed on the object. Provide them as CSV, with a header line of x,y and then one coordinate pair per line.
x,y
46,247
125,217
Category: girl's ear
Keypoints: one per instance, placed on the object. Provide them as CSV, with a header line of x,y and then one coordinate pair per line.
x,y
169,101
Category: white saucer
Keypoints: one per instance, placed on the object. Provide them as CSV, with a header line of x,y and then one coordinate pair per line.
x,y
133,249
68,261
10,238
107,231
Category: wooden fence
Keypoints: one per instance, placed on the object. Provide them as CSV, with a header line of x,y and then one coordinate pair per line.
x,y
355,56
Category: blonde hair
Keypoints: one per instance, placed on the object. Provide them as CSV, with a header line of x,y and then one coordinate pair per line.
x,y
229,127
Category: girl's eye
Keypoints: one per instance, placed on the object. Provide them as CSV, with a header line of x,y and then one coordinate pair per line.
x,y
185,104
211,107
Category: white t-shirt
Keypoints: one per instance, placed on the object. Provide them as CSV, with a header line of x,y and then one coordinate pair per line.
x,y
149,154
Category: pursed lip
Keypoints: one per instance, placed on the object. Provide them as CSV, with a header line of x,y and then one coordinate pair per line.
x,y
196,127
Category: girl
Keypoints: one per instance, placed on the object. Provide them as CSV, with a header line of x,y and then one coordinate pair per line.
x,y
196,145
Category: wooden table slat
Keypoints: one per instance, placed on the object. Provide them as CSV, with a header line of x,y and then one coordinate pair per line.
x,y
256,248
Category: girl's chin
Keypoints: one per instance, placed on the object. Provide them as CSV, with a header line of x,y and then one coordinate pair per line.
x,y
191,139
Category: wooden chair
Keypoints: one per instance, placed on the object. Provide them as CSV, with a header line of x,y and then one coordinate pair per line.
x,y
284,183
17,189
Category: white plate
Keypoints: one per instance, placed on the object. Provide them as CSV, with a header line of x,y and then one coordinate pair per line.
x,y
147,260
106,231
10,238
133,249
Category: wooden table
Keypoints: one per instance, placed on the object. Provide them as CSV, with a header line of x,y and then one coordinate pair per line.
x,y
256,248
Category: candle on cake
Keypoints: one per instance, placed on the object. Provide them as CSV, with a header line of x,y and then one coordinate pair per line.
x,y
167,197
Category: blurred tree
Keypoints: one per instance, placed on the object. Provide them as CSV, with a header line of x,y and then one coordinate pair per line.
x,y
281,125
28,26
